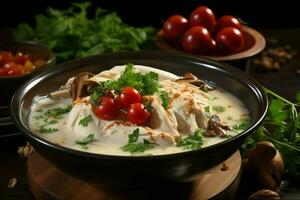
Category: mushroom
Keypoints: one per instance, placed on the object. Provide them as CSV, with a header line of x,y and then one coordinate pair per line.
x,y
266,164
192,79
215,127
79,87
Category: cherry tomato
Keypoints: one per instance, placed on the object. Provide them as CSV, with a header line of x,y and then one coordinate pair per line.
x,y
174,28
230,40
198,40
227,21
21,58
203,16
11,69
128,96
137,114
108,109
5,57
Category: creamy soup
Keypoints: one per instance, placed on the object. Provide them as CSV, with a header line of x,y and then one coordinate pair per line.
x,y
178,113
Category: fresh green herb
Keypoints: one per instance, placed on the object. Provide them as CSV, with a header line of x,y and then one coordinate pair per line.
x,y
192,142
56,113
242,124
85,121
47,130
133,146
164,98
207,109
281,127
86,140
134,136
214,98
77,33
218,109
138,147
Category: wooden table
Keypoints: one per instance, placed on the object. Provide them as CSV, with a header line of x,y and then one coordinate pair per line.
x,y
285,82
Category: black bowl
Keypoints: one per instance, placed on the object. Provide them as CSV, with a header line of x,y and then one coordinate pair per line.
x,y
117,169
36,50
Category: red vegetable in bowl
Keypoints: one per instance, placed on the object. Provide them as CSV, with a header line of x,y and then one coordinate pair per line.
x,y
203,16
174,28
227,21
230,40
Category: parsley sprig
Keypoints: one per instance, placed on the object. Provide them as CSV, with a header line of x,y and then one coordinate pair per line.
x,y
85,141
85,121
192,142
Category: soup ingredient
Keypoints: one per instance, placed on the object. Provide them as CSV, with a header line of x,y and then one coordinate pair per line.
x,y
227,21
174,28
128,96
76,32
215,127
203,16
219,109
281,127
198,40
85,141
107,109
192,142
85,121
137,114
230,40
18,64
134,146
265,164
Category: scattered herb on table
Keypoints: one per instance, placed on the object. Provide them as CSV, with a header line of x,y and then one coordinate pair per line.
x,y
72,33
85,141
219,109
85,121
281,127
137,147
192,142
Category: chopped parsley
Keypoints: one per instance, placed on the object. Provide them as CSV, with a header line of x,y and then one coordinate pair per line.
x,y
207,111
137,147
85,121
219,109
56,113
164,98
85,141
192,142
242,124
47,130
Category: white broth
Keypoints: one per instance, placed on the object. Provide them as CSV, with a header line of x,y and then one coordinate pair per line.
x,y
75,125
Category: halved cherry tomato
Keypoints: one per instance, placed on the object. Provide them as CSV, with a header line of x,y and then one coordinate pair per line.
x,y
203,16
21,58
137,114
198,40
174,28
108,109
227,21
128,96
230,40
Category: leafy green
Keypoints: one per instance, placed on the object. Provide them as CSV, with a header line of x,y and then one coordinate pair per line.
x,y
137,147
242,124
164,98
218,109
77,33
85,121
281,127
56,113
86,140
146,84
192,142
47,130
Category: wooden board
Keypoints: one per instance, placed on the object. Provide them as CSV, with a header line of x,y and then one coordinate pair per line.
x,y
47,182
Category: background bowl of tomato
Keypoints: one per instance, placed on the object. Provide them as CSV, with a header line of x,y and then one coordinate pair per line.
x,y
19,61
224,38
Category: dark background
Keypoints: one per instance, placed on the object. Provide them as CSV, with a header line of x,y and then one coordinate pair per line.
x,y
257,13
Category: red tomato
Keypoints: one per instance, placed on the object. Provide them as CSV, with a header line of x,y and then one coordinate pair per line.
x,y
21,58
198,40
203,16
11,69
174,28
128,96
5,57
230,40
227,21
108,109
137,114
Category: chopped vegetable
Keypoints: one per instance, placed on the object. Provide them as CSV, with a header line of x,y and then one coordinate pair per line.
x,y
85,141
164,98
192,142
85,121
47,130
282,128
72,34
218,109
242,124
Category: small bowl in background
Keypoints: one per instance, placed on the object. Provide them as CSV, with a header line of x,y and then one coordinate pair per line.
x,y
36,51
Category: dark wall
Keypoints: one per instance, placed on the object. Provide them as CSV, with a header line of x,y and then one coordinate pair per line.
x,y
257,13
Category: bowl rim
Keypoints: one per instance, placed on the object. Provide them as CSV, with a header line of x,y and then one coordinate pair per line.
x,y
50,61
259,45
16,103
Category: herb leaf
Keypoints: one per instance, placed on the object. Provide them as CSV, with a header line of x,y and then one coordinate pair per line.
x,y
47,130
134,136
192,142
219,109
138,147
164,98
86,140
85,121
243,124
